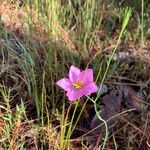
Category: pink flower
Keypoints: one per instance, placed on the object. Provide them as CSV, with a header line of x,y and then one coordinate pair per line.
x,y
80,83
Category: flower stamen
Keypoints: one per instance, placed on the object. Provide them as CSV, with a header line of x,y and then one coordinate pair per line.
x,y
78,85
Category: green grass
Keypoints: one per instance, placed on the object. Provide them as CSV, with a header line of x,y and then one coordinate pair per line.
x,y
38,44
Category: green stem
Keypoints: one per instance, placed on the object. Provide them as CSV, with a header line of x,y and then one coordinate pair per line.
x,y
106,127
128,13
70,125
101,119
142,23
79,115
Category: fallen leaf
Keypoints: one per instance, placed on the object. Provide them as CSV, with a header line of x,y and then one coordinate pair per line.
x,y
132,99
113,101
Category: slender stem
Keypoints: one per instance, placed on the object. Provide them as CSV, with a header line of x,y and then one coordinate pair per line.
x,y
106,127
142,23
43,100
128,13
101,119
79,115
69,132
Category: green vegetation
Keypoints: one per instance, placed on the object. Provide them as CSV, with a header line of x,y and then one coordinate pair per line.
x,y
40,40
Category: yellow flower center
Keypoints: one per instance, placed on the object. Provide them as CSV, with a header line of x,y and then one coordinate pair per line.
x,y
78,85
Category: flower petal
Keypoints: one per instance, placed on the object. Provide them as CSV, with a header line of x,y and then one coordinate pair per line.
x,y
90,88
65,84
74,95
86,76
74,73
